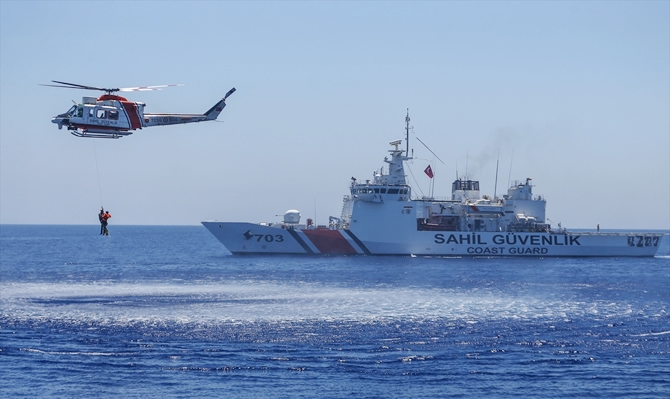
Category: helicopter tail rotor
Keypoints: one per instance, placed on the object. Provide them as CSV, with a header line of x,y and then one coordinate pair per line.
x,y
231,91
214,112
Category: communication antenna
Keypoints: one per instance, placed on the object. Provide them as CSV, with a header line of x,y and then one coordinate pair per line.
x,y
432,182
428,148
495,187
407,132
509,177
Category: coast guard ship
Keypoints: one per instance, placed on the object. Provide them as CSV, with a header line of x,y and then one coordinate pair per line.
x,y
381,217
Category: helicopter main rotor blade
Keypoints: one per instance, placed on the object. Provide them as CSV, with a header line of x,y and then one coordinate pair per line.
x,y
67,85
147,88
78,86
73,87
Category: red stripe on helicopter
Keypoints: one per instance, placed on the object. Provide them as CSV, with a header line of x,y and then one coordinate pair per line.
x,y
329,241
111,97
133,115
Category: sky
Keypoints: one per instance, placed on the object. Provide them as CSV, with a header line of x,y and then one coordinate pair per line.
x,y
573,94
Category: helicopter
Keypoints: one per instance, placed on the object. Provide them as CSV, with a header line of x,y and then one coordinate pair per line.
x,y
112,116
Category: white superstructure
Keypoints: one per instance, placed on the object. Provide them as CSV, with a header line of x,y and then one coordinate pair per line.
x,y
381,217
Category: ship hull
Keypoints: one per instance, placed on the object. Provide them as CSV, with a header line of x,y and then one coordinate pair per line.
x,y
249,238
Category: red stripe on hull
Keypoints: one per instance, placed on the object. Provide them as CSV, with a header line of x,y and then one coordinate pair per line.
x,y
329,242
131,110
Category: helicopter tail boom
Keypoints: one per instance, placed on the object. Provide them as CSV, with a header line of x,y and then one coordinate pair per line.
x,y
214,112
175,119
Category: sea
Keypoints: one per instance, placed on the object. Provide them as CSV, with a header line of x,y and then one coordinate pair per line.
x,y
166,311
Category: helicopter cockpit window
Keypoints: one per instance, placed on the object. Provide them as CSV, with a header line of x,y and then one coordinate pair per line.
x,y
72,111
80,112
113,115
101,114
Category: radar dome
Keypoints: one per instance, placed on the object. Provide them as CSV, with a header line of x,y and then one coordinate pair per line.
x,y
292,216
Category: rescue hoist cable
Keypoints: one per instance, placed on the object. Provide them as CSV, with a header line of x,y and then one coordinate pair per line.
x,y
97,172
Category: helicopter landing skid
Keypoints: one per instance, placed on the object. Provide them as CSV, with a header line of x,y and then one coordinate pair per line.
x,y
115,135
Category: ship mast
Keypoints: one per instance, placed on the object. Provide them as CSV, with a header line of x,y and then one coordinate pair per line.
x,y
407,133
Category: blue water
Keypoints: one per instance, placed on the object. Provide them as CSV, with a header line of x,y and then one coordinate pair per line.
x,y
166,312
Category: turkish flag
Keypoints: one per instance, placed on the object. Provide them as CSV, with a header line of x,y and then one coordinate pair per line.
x,y
428,171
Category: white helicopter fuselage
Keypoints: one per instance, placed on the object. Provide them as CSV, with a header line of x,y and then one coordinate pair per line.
x,y
108,115
111,116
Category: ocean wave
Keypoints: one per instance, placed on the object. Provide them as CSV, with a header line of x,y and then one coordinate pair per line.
x,y
127,303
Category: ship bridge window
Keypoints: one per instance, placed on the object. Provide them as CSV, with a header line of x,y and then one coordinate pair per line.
x,y
393,191
101,114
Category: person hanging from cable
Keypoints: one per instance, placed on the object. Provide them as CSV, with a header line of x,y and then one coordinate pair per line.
x,y
100,217
105,217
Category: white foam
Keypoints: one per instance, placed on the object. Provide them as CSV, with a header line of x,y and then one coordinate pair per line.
x,y
652,334
112,303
